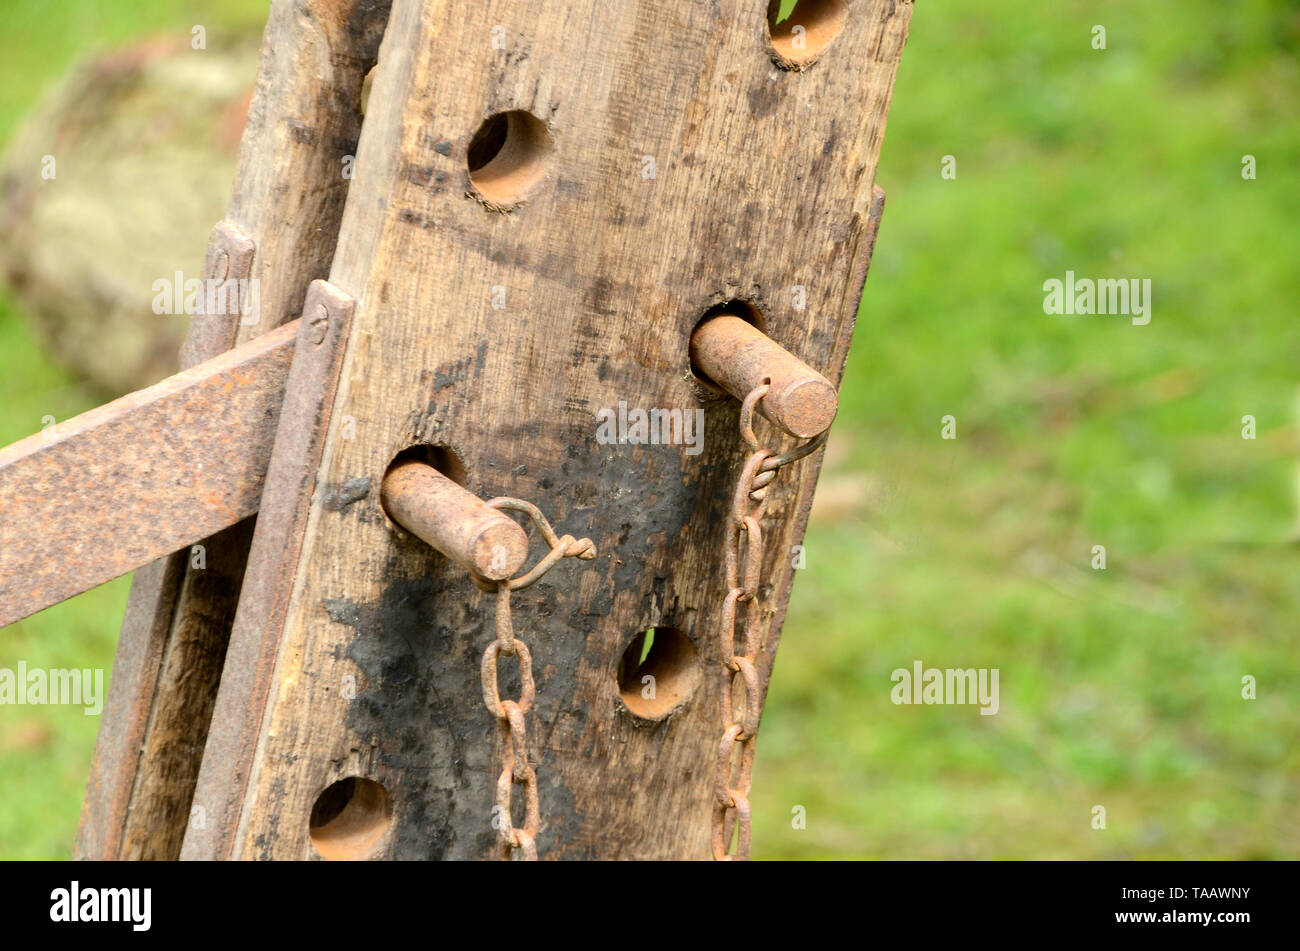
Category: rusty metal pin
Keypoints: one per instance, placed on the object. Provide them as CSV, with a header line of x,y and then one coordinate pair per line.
x,y
738,357
454,521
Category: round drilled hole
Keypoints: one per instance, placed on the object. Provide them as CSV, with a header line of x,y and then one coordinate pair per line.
x,y
508,156
802,30
349,818
743,309
658,673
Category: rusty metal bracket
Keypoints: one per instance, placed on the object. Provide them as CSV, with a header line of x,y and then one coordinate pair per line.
x,y
268,580
229,262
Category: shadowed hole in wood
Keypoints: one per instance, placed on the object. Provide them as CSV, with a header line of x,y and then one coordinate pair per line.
x,y
507,156
659,672
800,33
349,818
443,458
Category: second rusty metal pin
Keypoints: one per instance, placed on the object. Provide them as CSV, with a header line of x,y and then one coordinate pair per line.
x,y
738,357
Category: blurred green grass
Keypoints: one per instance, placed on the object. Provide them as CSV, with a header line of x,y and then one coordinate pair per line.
x,y
1118,688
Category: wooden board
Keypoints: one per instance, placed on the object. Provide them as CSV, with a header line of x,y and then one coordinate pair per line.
x,y
763,184
290,187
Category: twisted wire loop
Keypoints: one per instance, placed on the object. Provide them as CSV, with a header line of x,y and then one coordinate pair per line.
x,y
743,562
512,725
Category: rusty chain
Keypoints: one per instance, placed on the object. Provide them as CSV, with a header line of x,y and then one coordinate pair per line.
x,y
744,561
512,728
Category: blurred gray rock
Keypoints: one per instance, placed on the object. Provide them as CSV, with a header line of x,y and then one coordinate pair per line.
x,y
144,144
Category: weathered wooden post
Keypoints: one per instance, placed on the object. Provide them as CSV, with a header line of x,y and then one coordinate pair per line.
x,y
573,230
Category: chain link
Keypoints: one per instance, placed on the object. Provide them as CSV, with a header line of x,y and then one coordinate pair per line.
x,y
743,560
512,725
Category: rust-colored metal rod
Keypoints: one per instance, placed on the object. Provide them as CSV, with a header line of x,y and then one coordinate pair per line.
x,y
454,521
735,355
153,472
258,626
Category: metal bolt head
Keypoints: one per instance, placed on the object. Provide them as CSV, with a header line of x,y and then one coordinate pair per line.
x,y
320,323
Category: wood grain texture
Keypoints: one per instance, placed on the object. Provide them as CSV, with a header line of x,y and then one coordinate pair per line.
x,y
763,183
172,743
289,194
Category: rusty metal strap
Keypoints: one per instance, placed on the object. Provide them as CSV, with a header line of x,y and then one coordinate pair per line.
x,y
92,498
